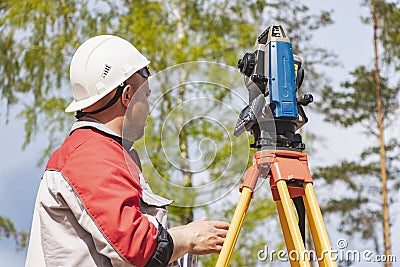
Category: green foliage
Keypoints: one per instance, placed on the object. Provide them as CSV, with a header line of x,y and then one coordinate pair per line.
x,y
181,31
183,143
259,230
355,103
7,230
388,13
359,206
37,40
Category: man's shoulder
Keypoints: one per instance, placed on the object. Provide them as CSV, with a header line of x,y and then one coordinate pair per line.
x,y
85,145
88,138
89,160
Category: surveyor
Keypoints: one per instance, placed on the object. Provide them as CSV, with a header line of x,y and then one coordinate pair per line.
x,y
94,206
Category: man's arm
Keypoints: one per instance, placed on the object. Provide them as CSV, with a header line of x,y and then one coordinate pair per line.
x,y
110,195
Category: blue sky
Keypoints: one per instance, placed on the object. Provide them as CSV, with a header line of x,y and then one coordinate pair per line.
x,y
20,174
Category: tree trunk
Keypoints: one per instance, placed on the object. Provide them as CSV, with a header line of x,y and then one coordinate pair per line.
x,y
188,214
382,150
184,152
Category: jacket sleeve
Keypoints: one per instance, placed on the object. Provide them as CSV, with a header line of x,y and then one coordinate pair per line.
x,y
103,178
163,252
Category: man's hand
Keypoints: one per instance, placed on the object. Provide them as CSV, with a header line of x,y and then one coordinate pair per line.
x,y
198,237
206,236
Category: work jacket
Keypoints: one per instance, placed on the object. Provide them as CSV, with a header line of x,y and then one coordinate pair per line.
x,y
95,208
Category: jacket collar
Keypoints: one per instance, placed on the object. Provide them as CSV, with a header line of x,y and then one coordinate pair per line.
x,y
88,122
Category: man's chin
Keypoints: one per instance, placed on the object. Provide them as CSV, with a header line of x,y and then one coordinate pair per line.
x,y
140,136
133,135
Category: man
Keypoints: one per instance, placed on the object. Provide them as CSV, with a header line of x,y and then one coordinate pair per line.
x,y
94,207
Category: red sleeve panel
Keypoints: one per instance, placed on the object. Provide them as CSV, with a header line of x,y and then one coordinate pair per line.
x,y
97,169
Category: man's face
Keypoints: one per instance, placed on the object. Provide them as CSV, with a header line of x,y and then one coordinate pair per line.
x,y
138,109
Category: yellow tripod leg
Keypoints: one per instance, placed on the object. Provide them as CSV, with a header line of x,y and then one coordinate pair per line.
x,y
322,244
290,222
234,228
285,230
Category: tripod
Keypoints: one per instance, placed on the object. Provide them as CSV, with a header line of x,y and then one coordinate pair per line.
x,y
290,179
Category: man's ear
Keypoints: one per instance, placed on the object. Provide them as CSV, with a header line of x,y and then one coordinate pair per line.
x,y
126,95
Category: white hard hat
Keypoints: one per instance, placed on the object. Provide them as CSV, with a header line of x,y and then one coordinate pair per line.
x,y
98,66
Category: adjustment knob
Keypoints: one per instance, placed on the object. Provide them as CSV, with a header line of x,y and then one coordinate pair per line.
x,y
240,64
247,64
305,100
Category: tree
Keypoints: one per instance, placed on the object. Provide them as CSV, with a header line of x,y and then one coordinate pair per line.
x,y
382,148
353,105
7,230
385,18
359,206
37,40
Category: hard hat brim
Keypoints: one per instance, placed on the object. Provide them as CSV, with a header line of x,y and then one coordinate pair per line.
x,y
84,103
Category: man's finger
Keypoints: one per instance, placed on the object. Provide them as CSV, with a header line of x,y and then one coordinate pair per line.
x,y
220,224
221,232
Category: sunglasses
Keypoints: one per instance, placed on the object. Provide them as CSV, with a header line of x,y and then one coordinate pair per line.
x,y
144,72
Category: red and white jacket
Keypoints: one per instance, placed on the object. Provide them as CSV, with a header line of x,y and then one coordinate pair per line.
x,y
94,207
